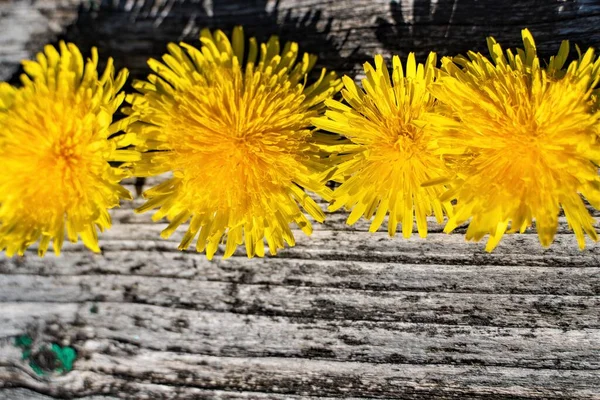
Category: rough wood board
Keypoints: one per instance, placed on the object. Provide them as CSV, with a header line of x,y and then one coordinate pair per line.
x,y
345,313
25,26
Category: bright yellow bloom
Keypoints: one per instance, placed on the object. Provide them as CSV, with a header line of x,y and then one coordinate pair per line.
x,y
526,137
232,122
387,164
7,95
55,151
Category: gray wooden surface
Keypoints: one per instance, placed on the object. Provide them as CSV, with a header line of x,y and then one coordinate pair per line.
x,y
345,313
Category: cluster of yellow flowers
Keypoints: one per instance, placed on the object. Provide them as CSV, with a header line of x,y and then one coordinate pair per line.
x,y
498,142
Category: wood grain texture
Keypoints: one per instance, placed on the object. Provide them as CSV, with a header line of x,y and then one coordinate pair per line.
x,y
344,313
26,26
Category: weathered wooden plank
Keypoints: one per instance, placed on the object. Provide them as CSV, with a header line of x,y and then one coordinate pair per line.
x,y
344,35
155,328
379,247
155,391
27,394
153,261
452,308
369,254
182,374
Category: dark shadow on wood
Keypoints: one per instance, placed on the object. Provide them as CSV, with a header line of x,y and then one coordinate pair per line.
x,y
306,29
451,27
132,32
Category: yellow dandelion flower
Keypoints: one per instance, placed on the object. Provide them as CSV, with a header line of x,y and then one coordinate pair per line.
x,y
527,140
7,95
231,121
387,164
55,148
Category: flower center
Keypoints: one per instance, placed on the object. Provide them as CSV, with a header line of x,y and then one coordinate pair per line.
x,y
66,153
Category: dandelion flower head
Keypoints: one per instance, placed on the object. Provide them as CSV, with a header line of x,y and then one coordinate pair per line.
x,y
527,138
386,163
231,121
56,148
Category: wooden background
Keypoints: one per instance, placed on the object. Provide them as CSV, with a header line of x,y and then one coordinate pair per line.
x,y
345,313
